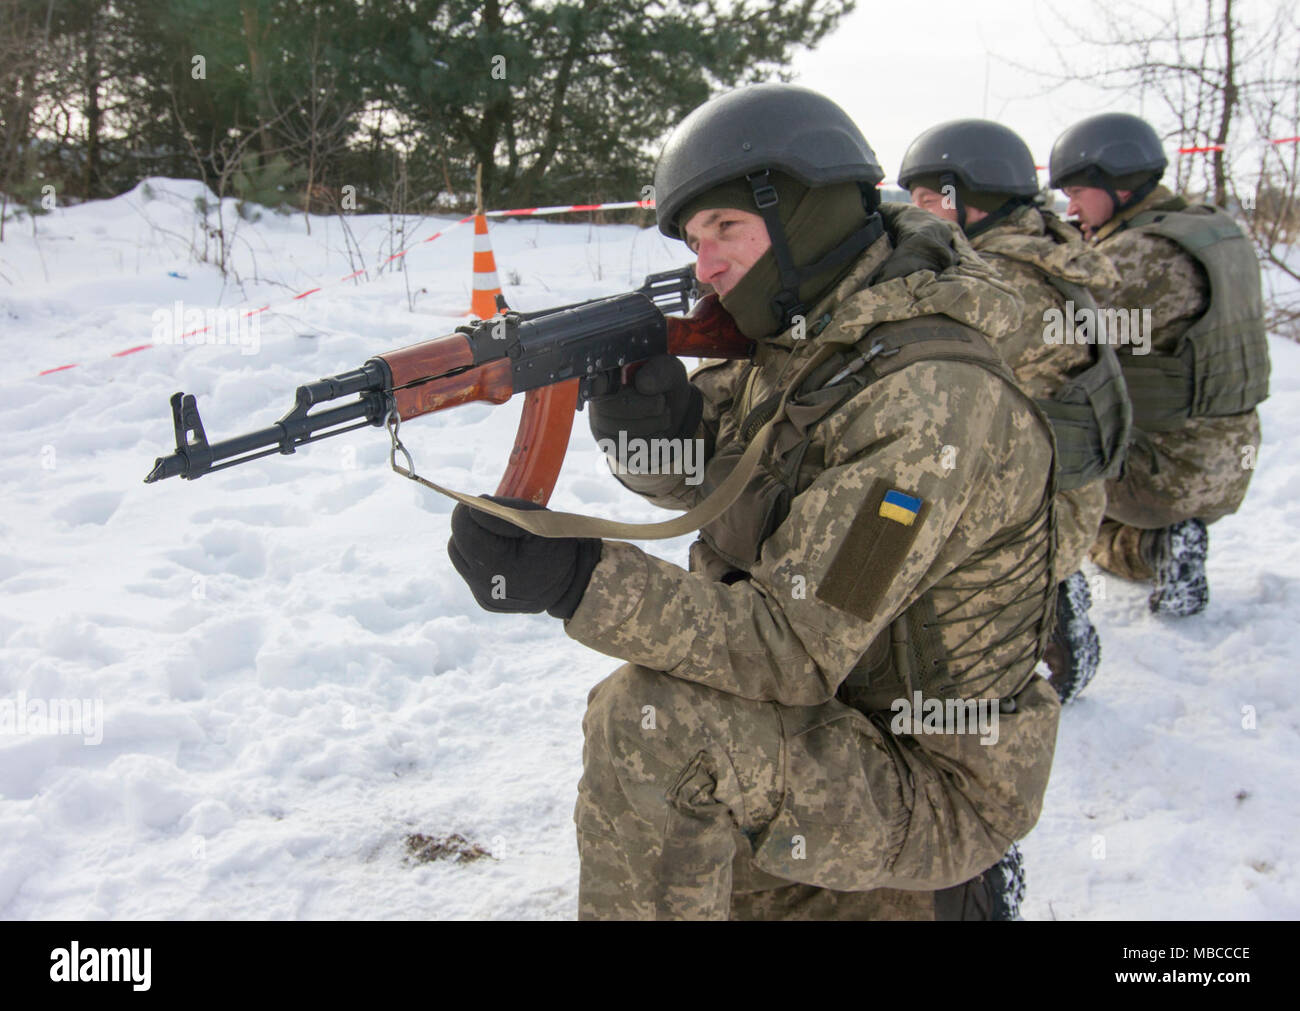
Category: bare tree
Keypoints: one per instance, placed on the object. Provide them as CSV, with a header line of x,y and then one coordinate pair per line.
x,y
221,165
1266,184
1224,76
318,126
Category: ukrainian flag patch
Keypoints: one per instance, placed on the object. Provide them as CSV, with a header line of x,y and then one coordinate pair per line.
x,y
875,549
899,507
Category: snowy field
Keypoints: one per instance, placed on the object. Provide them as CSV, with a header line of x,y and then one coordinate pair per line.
x,y
293,680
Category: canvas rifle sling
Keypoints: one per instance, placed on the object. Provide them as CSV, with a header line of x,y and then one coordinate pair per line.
x,y
545,523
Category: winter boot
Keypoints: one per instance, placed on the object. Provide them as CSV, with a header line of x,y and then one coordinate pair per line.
x,y
1006,884
1177,553
994,895
1073,652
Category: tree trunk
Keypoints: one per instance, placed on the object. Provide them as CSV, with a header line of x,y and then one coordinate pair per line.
x,y
1229,106
496,112
94,115
555,119
254,36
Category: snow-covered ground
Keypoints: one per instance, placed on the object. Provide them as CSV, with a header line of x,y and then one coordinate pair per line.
x,y
293,679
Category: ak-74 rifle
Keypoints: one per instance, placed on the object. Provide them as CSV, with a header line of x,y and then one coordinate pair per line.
x,y
559,358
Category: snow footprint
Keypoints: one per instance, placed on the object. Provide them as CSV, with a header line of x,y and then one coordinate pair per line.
x,y
94,508
227,548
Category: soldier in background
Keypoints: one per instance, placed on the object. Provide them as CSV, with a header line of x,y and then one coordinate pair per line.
x,y
981,176
894,543
1190,272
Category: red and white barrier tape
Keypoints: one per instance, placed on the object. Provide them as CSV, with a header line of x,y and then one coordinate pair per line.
x,y
1221,147
519,212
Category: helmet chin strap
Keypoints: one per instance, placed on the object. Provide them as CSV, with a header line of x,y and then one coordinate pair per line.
x,y
1102,181
993,217
785,304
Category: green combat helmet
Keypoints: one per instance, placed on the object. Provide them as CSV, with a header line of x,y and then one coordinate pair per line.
x,y
1113,151
757,135
987,165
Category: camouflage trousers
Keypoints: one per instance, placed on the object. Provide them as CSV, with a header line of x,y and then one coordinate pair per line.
x,y
1118,549
696,804
1078,515
1201,471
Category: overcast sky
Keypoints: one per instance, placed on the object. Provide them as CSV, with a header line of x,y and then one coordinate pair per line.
x,y
899,68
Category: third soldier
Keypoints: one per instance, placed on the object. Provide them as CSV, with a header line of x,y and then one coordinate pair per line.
x,y
1191,279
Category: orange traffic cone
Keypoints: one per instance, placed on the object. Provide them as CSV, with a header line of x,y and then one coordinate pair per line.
x,y
486,286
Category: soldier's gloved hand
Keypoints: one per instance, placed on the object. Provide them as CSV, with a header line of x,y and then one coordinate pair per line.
x,y
660,403
512,571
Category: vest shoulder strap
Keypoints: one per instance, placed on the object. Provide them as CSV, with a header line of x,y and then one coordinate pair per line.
x,y
1076,293
1194,227
890,347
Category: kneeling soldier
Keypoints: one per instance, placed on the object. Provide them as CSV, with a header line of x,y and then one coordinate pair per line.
x,y
789,736
1199,370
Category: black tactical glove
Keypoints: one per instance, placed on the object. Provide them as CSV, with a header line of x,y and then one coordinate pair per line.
x,y
512,571
660,403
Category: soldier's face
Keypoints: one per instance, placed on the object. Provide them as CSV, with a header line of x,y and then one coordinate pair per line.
x,y
726,243
935,203
1091,205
